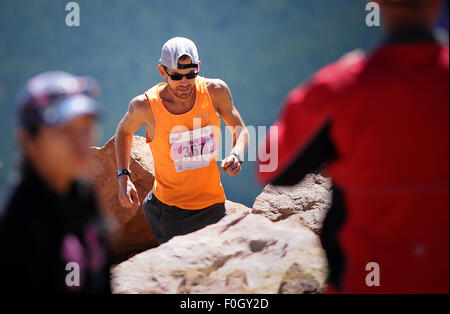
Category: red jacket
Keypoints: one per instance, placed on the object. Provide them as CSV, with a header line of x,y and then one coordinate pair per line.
x,y
382,125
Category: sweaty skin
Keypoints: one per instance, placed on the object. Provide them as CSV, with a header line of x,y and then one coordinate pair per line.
x,y
178,97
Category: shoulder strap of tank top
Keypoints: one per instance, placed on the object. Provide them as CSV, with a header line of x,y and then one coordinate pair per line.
x,y
203,89
152,95
201,85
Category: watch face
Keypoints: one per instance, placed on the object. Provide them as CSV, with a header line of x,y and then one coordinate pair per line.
x,y
123,171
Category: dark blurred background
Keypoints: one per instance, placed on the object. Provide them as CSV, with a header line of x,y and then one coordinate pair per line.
x,y
261,48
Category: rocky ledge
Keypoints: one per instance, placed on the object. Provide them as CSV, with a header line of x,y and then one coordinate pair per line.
x,y
273,247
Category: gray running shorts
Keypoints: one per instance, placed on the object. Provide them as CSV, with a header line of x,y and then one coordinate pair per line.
x,y
168,221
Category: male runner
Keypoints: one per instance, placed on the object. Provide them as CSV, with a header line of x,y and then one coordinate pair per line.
x,y
382,124
183,131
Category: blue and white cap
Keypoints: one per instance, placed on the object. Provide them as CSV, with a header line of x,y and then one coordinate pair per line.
x,y
55,98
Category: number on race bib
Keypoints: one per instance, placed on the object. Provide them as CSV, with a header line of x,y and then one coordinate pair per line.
x,y
192,149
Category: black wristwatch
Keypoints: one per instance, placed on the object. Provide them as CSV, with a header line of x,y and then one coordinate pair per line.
x,y
122,172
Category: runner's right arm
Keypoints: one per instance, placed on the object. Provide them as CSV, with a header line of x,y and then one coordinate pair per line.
x,y
136,116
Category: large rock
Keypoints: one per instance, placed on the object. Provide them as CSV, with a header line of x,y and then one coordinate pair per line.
x,y
242,253
232,207
310,199
130,231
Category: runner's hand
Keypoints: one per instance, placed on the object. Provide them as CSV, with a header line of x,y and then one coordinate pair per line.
x,y
128,195
231,165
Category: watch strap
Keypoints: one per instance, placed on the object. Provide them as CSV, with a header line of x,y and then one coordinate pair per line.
x,y
123,171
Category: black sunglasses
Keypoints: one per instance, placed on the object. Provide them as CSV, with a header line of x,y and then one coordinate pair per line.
x,y
179,77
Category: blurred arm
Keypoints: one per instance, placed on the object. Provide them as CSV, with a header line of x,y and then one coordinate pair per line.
x,y
300,141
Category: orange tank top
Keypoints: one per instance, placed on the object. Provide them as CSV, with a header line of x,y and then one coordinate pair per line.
x,y
185,150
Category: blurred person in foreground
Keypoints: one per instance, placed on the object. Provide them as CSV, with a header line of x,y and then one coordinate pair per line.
x,y
182,117
51,236
380,123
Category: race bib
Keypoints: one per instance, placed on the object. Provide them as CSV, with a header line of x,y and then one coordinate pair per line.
x,y
192,149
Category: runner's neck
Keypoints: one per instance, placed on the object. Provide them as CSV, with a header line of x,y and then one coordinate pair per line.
x,y
174,104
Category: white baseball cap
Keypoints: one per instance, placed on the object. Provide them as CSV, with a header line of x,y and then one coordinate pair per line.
x,y
176,47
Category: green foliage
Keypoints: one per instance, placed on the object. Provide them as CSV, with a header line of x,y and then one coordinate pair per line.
x,y
261,48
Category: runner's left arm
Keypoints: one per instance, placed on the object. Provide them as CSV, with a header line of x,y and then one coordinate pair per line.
x,y
223,102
